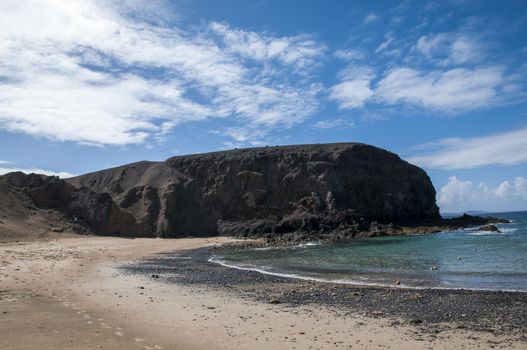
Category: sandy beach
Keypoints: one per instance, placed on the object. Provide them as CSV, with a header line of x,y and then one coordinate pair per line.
x,y
70,293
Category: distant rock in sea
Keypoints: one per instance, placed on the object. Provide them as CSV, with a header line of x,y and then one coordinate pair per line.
x,y
489,228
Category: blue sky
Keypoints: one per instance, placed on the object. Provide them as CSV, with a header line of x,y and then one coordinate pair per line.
x,y
93,84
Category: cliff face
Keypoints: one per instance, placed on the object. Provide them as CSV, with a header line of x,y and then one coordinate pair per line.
x,y
258,191
33,194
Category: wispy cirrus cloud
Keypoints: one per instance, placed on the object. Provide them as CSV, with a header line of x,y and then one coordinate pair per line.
x,y
389,39
241,134
97,72
370,18
349,55
339,123
299,51
355,87
506,148
454,72
451,90
450,48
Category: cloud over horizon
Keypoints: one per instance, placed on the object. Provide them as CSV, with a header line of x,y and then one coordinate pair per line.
x,y
506,148
8,167
461,195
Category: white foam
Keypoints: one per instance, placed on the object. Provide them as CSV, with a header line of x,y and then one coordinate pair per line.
x,y
308,244
508,230
302,245
264,248
503,231
215,260
483,233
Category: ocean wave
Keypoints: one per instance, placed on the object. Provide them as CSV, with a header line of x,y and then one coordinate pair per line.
x,y
265,248
308,244
508,230
302,245
484,233
356,282
215,260
504,231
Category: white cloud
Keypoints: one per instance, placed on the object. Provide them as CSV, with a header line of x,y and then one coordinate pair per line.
x,y
243,134
442,72
61,174
387,41
450,48
453,90
351,93
506,148
349,55
455,192
459,195
95,72
355,88
456,89
356,72
333,124
517,189
372,17
300,50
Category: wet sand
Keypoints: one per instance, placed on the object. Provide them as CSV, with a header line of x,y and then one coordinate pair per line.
x,y
73,293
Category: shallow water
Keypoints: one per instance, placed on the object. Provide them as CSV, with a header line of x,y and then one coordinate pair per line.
x,y
469,259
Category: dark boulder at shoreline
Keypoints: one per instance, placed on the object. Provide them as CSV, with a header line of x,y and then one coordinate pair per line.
x,y
489,228
303,192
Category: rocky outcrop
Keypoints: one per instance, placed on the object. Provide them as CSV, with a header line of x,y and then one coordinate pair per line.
x,y
490,228
270,190
289,193
96,211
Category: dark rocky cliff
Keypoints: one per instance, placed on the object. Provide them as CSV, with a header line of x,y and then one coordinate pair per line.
x,y
81,208
271,190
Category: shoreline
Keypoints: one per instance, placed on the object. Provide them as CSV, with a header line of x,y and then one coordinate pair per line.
x,y
358,284
73,293
496,312
263,245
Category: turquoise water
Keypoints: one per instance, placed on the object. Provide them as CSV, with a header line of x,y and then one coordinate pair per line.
x,y
469,259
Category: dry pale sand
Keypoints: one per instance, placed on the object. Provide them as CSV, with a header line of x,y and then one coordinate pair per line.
x,y
68,294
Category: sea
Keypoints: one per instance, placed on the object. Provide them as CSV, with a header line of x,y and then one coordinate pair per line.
x,y
460,259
